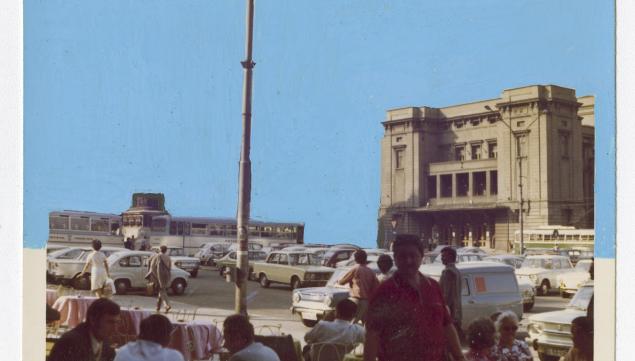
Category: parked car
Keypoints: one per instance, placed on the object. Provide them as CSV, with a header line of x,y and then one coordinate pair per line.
x,y
317,303
550,332
488,287
571,281
471,250
508,259
129,268
543,270
228,262
338,253
210,252
50,248
461,257
370,253
297,269
65,253
66,271
180,260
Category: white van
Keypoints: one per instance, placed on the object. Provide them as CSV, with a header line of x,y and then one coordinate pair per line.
x,y
488,287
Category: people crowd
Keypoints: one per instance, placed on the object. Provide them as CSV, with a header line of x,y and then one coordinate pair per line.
x,y
403,316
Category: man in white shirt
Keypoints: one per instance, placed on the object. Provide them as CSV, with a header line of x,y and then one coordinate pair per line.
x,y
338,332
239,340
154,336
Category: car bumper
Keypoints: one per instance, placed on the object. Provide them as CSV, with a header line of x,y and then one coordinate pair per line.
x,y
312,313
189,268
557,350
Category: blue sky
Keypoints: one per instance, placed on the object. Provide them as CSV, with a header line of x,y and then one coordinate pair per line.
x,y
131,96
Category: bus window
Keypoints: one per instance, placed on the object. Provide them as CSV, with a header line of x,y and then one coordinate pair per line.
x,y
159,225
99,224
231,230
58,222
80,223
199,229
267,231
215,230
173,226
254,231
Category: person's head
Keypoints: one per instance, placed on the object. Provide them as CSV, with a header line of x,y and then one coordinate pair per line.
x,y
96,244
481,334
582,333
360,256
128,239
345,310
507,325
448,255
238,332
408,254
163,249
156,328
102,318
384,263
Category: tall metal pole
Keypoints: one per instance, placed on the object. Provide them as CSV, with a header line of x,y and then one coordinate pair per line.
x,y
244,176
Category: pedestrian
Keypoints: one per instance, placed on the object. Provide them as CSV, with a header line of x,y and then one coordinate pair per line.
x,y
159,273
384,263
341,333
508,347
481,337
450,283
128,243
89,340
362,282
99,272
151,345
133,242
407,317
582,335
239,340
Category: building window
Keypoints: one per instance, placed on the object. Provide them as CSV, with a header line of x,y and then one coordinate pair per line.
x,y
521,146
493,180
476,151
399,158
564,145
432,186
492,150
462,184
479,183
459,152
446,185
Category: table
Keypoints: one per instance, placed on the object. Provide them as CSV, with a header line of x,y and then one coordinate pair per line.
x,y
196,340
51,296
73,309
131,320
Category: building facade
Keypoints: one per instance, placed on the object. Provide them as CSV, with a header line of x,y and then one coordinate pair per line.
x,y
464,173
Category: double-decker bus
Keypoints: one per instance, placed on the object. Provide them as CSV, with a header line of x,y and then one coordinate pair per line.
x,y
72,228
556,238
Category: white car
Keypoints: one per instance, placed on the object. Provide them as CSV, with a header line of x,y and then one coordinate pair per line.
x,y
372,255
543,270
570,282
66,271
210,252
129,268
550,332
180,260
488,287
509,259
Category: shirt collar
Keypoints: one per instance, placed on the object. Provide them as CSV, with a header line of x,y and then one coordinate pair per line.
x,y
95,344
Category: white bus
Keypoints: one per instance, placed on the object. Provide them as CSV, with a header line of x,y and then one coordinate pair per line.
x,y
72,228
556,238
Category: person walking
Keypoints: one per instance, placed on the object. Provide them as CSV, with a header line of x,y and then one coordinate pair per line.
x,y
160,267
362,281
99,272
450,283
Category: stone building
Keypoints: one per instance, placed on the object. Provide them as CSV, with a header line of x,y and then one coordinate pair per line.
x,y
455,175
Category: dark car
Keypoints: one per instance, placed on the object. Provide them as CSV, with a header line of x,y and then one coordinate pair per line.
x,y
338,253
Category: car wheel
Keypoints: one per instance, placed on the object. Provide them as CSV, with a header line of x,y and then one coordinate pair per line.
x,y
543,290
309,323
122,286
194,273
295,283
528,306
178,286
264,281
544,357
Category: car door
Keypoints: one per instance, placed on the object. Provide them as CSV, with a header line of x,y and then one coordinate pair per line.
x,y
469,309
280,268
136,269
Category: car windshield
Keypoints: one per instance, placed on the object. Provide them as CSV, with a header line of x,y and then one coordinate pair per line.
x,y
303,259
177,252
533,263
581,299
583,266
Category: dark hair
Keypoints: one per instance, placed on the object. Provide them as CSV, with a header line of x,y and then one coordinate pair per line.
x,y
156,328
99,308
163,249
451,251
407,240
583,324
384,262
346,309
481,333
96,244
238,325
360,256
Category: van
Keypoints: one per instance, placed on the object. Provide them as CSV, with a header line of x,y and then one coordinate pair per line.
x,y
488,287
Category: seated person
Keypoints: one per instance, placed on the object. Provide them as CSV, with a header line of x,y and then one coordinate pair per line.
x,y
239,340
582,334
339,332
89,340
154,337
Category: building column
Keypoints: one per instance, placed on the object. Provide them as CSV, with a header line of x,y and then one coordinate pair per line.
x,y
438,177
454,184
488,182
470,184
